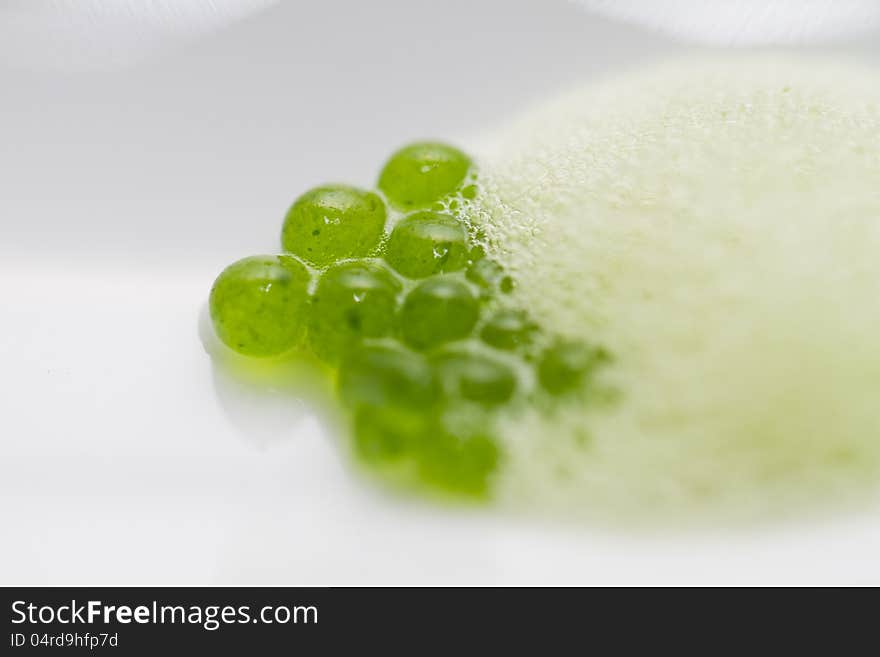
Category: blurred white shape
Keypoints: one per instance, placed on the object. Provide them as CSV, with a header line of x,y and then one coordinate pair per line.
x,y
747,22
106,34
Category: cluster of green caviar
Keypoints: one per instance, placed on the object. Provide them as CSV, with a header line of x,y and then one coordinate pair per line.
x,y
390,290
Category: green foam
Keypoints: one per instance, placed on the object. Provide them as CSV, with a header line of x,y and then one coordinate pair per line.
x,y
716,226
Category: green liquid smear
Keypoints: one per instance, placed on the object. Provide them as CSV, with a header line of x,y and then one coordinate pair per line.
x,y
413,321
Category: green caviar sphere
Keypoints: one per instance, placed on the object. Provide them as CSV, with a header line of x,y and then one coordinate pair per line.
x,y
565,366
437,311
421,173
509,329
459,464
259,304
385,376
472,376
384,434
353,300
470,192
427,243
333,222
490,276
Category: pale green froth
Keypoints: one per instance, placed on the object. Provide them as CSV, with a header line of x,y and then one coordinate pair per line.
x,y
717,228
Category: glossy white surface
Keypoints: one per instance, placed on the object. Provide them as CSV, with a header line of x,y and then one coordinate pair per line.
x,y
748,22
88,35
124,458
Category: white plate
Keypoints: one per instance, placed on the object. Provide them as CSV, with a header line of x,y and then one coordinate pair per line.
x,y
124,457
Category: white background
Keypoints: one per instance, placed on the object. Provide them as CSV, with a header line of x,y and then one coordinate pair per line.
x,y
124,456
